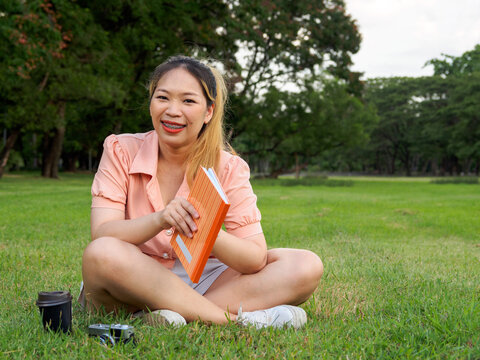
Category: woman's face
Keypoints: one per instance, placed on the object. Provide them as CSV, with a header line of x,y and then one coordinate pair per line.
x,y
179,109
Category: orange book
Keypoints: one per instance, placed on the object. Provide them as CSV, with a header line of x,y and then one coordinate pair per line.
x,y
211,203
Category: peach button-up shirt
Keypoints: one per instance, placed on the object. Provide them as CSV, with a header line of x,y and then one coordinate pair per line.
x,y
126,180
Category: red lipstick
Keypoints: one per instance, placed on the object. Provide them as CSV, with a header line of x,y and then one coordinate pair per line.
x,y
172,127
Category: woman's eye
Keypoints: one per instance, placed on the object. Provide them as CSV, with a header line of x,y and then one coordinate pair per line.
x,y
161,97
190,101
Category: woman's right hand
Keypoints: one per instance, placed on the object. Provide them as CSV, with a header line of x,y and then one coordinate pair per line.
x,y
180,214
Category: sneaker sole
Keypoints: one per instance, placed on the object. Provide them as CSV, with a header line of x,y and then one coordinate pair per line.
x,y
299,318
163,318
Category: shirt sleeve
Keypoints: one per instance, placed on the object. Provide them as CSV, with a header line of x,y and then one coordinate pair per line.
x,y
243,217
109,188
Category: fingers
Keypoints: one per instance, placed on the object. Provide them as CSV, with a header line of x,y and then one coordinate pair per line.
x,y
180,214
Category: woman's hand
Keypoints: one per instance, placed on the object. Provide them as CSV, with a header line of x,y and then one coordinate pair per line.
x,y
180,214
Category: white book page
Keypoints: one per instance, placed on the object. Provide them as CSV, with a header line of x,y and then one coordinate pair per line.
x,y
213,178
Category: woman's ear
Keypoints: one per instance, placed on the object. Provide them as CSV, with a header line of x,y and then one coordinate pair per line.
x,y
209,114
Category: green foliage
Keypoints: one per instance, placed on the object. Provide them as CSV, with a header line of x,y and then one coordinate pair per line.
x,y
398,131
284,39
467,63
401,273
428,124
75,72
296,127
30,37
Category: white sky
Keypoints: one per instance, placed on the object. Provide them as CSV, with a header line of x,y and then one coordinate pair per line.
x,y
400,36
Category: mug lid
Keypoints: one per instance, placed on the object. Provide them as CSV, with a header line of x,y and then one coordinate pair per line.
x,y
52,298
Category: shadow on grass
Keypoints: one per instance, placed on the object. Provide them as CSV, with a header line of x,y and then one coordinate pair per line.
x,y
306,181
456,180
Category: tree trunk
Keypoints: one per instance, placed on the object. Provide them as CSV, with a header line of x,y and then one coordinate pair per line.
x,y
435,169
5,153
117,128
408,167
53,147
34,147
393,160
89,159
47,158
53,153
297,167
70,162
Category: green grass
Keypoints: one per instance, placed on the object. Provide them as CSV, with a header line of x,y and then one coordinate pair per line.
x,y
402,273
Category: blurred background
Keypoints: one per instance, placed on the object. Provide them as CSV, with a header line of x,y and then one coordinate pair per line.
x,y
356,86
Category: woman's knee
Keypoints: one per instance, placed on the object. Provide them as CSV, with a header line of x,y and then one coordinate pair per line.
x,y
315,264
308,268
104,255
304,271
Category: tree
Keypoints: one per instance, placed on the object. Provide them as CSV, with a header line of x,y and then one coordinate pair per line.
x,y
397,131
48,72
142,34
112,47
463,76
100,55
286,42
429,124
30,38
296,127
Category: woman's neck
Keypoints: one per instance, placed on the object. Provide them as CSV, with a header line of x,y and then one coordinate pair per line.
x,y
171,167
173,156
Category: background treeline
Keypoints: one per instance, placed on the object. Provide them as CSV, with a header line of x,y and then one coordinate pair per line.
x,y
426,125
72,72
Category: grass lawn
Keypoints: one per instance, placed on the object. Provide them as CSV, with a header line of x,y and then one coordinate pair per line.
x,y
402,273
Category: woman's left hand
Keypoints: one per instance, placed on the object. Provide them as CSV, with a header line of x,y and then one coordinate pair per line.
x,y
180,214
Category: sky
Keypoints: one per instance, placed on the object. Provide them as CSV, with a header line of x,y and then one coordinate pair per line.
x,y
400,36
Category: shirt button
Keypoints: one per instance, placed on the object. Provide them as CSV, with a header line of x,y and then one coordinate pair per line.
x,y
169,232
165,255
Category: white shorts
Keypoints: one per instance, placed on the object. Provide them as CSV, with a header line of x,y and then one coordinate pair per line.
x,y
213,269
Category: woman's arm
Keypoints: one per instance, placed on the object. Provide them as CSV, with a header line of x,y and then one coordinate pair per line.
x,y
179,213
247,256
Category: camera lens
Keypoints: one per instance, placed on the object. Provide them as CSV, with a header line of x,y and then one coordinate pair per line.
x,y
107,340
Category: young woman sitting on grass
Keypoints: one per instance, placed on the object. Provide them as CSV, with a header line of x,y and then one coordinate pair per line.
x,y
139,198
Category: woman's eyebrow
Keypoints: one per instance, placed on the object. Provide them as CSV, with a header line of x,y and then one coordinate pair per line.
x,y
187,93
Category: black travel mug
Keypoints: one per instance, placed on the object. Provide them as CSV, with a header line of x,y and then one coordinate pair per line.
x,y
56,310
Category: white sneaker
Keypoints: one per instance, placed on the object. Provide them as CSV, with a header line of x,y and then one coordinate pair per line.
x,y
161,318
277,317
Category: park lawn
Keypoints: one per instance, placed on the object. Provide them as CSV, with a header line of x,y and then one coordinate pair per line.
x,y
402,273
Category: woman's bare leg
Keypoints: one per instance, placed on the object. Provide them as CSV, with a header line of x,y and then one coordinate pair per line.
x,y
117,274
290,277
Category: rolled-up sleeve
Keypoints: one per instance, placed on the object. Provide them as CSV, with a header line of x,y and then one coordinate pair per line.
x,y
243,217
109,188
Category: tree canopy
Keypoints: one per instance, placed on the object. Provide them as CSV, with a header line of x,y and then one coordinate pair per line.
x,y
76,71
73,72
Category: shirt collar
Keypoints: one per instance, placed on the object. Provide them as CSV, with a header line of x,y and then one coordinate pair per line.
x,y
146,159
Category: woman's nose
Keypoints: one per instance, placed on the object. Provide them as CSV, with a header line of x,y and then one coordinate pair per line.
x,y
173,109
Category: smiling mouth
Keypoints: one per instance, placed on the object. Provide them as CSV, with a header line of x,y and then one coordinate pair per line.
x,y
172,127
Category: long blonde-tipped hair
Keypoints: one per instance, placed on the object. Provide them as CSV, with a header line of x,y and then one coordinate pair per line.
x,y
211,139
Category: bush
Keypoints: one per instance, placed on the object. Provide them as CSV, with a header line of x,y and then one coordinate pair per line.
x,y
15,161
456,180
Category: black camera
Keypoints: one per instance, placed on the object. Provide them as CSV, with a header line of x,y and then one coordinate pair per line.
x,y
112,334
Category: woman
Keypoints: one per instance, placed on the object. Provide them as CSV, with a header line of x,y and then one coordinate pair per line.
x,y
139,198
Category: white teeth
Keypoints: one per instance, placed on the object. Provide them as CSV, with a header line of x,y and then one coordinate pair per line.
x,y
175,127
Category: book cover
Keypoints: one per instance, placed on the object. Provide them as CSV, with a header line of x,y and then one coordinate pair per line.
x,y
211,203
